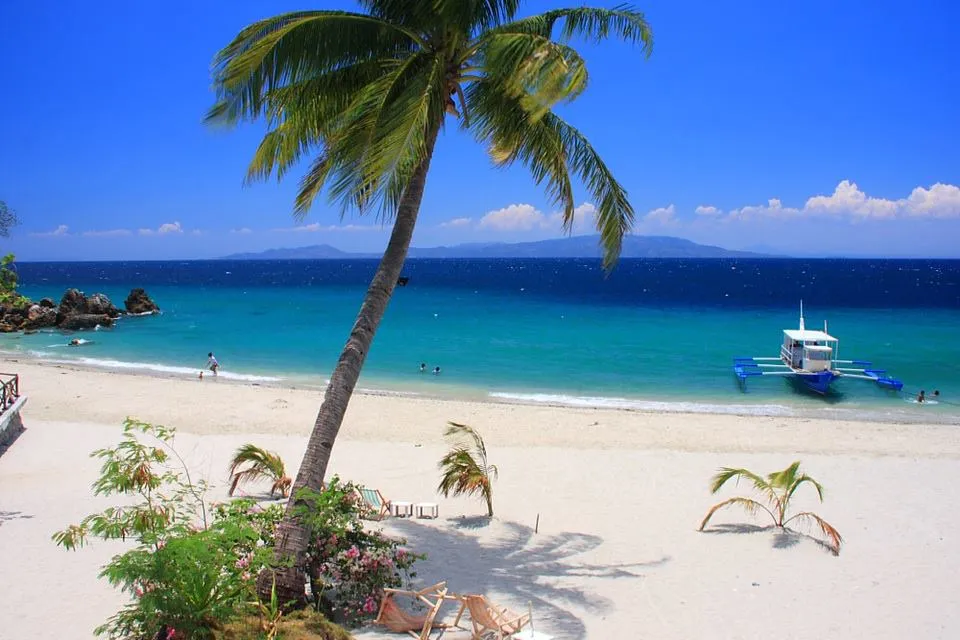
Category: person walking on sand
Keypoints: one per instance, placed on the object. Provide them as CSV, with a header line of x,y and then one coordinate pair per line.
x,y
212,363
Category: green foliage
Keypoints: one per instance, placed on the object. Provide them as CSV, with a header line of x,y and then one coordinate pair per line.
x,y
8,282
777,489
8,219
348,566
465,469
260,463
189,572
169,501
364,93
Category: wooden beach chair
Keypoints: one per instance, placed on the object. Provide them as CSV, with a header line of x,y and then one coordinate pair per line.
x,y
490,620
373,505
397,620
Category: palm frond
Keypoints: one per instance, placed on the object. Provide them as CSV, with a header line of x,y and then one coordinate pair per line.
x,y
553,151
827,529
260,463
464,469
784,478
804,479
751,507
729,473
623,22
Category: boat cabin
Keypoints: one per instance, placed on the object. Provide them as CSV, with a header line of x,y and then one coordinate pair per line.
x,y
808,350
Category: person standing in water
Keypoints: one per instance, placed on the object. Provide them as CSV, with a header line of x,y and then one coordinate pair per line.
x,y
423,367
922,397
212,363
436,371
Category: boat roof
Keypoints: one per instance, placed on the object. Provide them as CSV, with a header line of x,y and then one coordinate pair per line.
x,y
804,335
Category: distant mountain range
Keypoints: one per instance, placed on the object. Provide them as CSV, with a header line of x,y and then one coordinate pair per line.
x,y
573,247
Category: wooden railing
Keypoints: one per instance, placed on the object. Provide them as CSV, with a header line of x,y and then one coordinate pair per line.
x,y
9,390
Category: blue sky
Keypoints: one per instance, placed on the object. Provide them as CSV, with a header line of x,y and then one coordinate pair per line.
x,y
814,128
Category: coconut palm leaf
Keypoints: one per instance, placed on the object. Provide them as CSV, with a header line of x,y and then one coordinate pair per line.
x,y
261,464
825,527
751,507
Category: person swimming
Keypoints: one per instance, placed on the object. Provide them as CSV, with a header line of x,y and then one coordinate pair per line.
x,y
78,342
936,393
423,367
436,371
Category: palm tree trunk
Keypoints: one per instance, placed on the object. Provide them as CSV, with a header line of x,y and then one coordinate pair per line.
x,y
291,539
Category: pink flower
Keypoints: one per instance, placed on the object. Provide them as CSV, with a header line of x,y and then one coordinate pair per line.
x,y
369,605
353,552
138,591
171,632
243,562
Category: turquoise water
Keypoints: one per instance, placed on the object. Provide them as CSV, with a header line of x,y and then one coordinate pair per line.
x,y
520,345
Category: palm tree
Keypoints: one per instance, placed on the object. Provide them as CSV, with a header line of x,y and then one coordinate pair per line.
x,y
368,93
465,468
777,489
261,464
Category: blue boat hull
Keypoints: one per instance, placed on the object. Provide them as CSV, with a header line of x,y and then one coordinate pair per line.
x,y
818,382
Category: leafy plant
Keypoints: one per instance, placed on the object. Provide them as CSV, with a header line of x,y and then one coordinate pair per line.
x,y
260,464
465,468
190,572
348,566
777,489
8,281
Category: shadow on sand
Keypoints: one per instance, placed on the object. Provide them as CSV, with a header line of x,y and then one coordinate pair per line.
x,y
537,568
783,537
6,516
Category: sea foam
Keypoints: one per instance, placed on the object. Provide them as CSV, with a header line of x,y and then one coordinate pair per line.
x,y
599,402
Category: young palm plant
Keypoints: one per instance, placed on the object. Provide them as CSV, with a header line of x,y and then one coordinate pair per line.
x,y
465,469
777,490
260,464
367,94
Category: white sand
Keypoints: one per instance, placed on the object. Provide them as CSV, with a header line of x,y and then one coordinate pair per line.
x,y
619,495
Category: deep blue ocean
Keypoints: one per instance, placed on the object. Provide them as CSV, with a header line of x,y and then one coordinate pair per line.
x,y
655,334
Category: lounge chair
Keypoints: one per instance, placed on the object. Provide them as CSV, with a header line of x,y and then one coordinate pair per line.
x,y
395,619
373,505
490,620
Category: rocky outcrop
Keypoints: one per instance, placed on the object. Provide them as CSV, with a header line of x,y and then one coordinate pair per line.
x,y
75,311
39,318
99,304
85,321
138,303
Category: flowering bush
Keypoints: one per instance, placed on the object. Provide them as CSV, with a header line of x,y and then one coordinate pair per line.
x,y
348,566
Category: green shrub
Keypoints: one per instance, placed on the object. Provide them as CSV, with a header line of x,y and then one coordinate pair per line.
x,y
348,566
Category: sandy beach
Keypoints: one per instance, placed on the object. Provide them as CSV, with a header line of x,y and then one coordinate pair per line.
x,y
618,495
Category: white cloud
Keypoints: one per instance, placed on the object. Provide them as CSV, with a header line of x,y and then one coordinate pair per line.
x,y
515,217
107,233
707,211
242,230
456,222
939,201
61,230
848,201
662,215
196,232
164,229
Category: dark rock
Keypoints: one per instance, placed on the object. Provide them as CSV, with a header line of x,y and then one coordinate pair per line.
x,y
40,317
85,321
73,301
139,302
99,304
13,322
47,303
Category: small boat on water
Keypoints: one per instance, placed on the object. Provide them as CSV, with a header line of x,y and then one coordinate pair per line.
x,y
810,356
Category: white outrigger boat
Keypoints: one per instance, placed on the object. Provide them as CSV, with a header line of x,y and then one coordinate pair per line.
x,y
810,356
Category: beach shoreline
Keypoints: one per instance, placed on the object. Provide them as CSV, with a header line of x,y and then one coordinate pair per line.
x,y
299,381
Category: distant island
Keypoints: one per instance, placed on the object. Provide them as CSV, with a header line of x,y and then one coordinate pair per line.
x,y
573,247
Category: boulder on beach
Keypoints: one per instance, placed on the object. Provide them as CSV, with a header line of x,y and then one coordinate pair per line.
x,y
72,302
47,303
138,302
